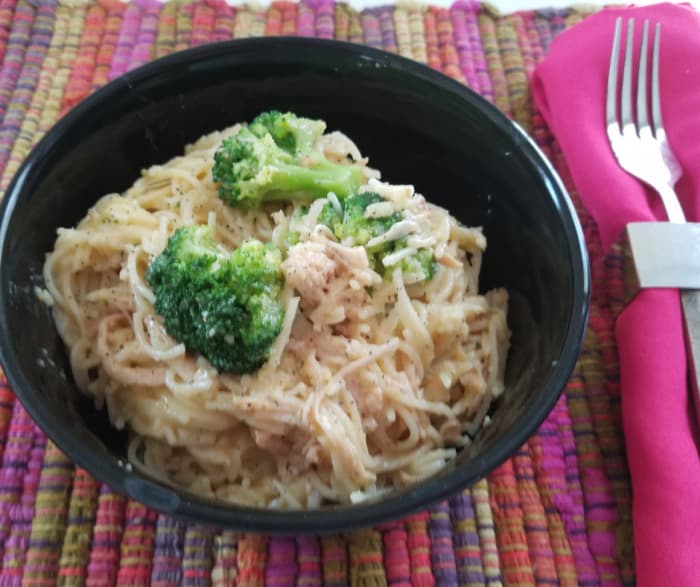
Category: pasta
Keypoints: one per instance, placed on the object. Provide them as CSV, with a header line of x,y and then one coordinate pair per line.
x,y
373,383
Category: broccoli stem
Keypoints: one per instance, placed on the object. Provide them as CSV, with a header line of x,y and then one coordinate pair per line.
x,y
289,181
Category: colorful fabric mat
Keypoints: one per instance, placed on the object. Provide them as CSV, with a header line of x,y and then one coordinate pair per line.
x,y
556,513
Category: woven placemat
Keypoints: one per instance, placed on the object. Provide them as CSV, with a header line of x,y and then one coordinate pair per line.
x,y
557,513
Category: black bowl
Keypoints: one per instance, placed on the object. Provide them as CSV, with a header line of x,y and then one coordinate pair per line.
x,y
415,124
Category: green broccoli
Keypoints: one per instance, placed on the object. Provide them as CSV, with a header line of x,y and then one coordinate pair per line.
x,y
420,266
361,229
329,216
352,223
225,306
274,158
290,132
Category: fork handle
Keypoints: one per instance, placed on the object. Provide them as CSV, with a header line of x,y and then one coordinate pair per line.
x,y
671,203
690,300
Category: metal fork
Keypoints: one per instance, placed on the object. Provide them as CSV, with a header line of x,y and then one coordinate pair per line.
x,y
641,148
668,251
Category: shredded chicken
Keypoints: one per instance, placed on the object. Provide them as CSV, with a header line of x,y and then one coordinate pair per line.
x,y
324,344
309,270
330,278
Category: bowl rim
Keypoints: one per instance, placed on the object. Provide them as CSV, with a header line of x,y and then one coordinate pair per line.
x,y
332,518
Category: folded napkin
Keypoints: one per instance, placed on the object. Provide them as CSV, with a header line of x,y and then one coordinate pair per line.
x,y
569,88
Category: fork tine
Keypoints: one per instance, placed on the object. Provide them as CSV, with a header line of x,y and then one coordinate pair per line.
x,y
655,100
642,116
641,151
611,99
626,94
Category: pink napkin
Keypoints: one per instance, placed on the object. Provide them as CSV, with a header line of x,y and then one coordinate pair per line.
x,y
569,88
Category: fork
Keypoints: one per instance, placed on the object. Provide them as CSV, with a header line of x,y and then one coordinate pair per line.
x,y
642,149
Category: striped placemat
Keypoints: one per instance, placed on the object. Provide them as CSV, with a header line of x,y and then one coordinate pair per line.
x,y
557,513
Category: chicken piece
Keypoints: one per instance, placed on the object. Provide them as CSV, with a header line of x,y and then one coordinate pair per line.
x,y
330,278
323,344
310,270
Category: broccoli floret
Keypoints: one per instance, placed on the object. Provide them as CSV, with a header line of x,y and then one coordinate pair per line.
x,y
418,267
274,158
362,229
354,223
329,216
225,306
421,266
290,132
